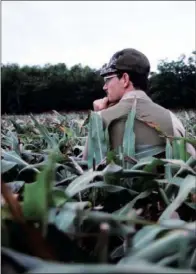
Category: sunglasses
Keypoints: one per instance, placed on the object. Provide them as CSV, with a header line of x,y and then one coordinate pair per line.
x,y
107,78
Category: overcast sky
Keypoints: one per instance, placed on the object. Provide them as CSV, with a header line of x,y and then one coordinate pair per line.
x,y
40,32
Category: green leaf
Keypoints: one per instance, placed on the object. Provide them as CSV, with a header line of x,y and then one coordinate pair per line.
x,y
38,196
143,162
128,207
129,134
97,142
183,153
64,220
107,187
112,173
146,236
163,247
126,173
51,141
14,141
58,197
17,126
77,185
12,156
6,166
185,188
138,266
168,169
148,151
61,118
176,151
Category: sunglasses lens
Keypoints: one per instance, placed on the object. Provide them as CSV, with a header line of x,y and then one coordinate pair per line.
x,y
107,78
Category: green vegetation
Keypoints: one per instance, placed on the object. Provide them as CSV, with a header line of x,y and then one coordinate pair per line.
x,y
117,212
39,89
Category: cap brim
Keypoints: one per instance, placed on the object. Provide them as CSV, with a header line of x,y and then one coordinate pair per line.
x,y
107,71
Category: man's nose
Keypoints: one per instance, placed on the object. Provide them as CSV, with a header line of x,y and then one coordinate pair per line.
x,y
105,87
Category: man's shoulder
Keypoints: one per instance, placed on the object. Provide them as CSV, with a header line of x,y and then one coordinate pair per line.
x,y
120,109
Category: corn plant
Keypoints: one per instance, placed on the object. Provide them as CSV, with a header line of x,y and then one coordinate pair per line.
x,y
124,211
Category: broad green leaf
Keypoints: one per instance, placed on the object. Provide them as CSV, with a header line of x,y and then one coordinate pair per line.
x,y
6,166
51,141
188,140
138,266
149,152
77,185
58,197
107,217
171,185
146,236
185,187
38,195
12,156
173,163
118,252
176,151
61,118
14,141
97,144
182,149
17,126
168,169
112,168
77,205
191,163
163,247
108,187
128,207
168,260
64,220
76,166
143,162
137,173
112,174
129,134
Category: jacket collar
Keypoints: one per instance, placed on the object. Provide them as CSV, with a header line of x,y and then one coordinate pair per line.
x,y
140,94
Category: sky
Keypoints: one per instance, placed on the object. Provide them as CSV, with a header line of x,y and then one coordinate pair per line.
x,y
90,32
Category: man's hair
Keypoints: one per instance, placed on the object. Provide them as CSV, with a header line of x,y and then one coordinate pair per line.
x,y
139,81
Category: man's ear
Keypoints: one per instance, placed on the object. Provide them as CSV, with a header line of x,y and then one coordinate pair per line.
x,y
126,80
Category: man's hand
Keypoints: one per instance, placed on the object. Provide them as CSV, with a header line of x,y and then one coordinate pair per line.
x,y
100,104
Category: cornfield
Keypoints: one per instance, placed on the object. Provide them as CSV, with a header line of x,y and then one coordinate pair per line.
x,y
120,211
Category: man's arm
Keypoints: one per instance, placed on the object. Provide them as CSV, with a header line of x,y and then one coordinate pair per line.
x,y
98,105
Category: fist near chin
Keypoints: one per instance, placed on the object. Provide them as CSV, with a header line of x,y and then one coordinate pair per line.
x,y
100,104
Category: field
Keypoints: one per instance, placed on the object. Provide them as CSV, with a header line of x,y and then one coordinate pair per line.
x,y
122,211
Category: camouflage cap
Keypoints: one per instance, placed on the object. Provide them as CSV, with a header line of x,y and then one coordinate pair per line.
x,y
127,60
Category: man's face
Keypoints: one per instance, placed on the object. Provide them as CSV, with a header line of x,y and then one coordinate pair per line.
x,y
113,87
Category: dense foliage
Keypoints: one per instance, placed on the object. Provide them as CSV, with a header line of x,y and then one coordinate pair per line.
x,y
174,86
38,89
122,211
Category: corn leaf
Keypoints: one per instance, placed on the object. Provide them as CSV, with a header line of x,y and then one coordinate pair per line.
x,y
129,134
97,142
185,188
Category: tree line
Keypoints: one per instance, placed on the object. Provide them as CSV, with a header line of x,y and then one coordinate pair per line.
x,y
39,89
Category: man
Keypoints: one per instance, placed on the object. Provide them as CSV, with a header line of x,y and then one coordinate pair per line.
x,y
126,77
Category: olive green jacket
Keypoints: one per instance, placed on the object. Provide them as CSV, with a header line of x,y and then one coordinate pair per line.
x,y
148,113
